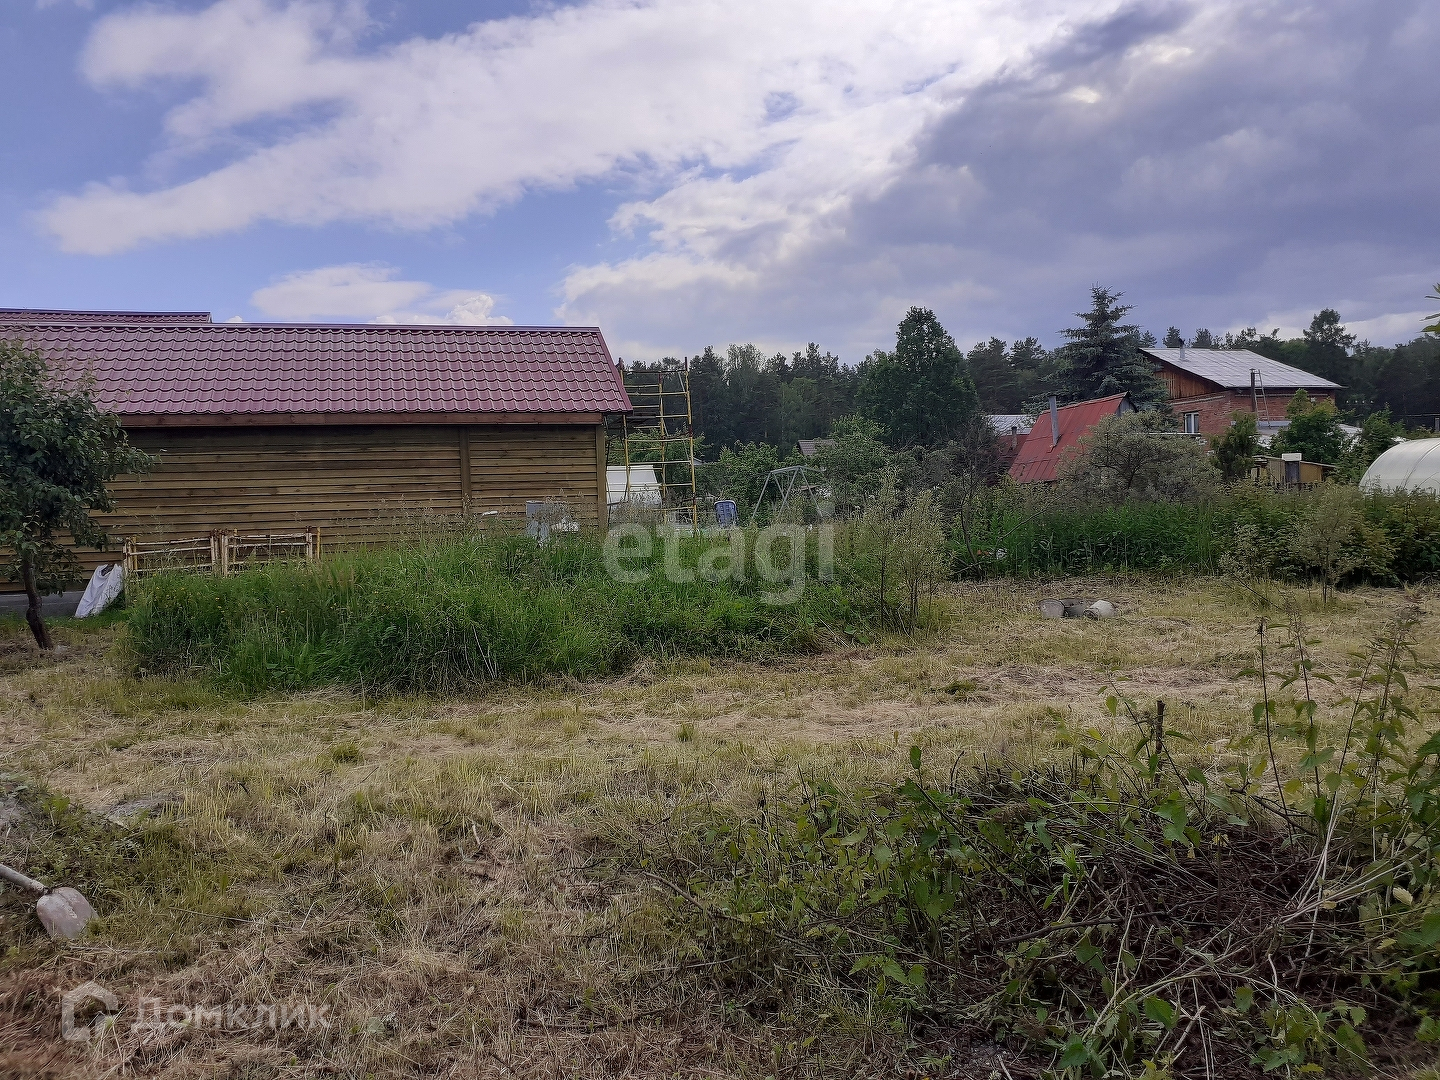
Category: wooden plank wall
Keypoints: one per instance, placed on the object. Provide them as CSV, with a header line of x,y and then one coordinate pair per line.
x,y
356,484
1182,384
509,466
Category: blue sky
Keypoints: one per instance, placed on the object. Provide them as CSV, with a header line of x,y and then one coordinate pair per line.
x,y
687,172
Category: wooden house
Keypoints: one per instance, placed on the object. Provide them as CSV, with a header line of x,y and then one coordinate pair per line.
x,y
351,430
1206,386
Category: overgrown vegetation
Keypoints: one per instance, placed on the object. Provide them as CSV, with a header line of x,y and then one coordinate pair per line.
x,y
441,614
455,877
1119,913
1381,538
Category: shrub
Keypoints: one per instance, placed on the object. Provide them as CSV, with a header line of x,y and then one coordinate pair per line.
x,y
1033,532
1235,450
1127,458
1314,430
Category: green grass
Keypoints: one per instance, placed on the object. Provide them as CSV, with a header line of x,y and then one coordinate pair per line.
x,y
1044,534
449,614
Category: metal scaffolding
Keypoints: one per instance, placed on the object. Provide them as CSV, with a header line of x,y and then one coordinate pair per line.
x,y
662,421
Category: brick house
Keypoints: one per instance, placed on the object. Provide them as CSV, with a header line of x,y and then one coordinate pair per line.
x,y
1206,385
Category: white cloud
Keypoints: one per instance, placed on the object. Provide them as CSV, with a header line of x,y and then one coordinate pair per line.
x,y
1215,162
371,292
425,132
41,5
1390,328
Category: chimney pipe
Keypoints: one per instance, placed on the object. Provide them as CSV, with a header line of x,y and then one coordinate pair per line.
x,y
1054,423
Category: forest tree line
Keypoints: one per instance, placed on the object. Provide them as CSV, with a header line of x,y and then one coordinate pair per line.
x,y
926,390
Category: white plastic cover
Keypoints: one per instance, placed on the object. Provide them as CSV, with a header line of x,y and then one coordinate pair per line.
x,y
105,585
1413,465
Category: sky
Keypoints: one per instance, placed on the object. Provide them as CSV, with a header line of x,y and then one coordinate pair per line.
x,y
692,172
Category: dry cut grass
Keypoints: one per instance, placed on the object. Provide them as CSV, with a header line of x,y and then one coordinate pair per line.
x,y
439,874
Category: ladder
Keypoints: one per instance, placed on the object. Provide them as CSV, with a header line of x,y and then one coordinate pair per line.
x,y
1257,396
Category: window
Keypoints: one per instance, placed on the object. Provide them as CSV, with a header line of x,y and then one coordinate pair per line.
x,y
1192,423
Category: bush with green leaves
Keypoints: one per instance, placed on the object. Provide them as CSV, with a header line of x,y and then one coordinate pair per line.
x,y
58,455
1133,458
1234,451
1314,431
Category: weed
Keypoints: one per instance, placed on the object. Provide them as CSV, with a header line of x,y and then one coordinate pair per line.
x,y
1385,538
1111,911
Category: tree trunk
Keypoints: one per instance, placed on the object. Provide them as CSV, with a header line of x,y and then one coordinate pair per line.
x,y
32,612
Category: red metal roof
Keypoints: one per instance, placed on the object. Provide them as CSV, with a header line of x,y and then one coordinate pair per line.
x,y
31,315
258,373
1039,460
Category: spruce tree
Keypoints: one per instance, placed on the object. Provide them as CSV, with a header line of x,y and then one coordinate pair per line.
x,y
1103,356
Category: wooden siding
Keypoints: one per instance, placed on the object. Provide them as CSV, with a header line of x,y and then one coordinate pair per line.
x,y
507,467
1182,384
356,484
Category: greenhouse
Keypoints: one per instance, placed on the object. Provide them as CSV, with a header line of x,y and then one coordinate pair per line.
x,y
1406,466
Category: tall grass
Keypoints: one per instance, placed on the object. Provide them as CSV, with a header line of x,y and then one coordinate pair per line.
x,y
1036,533
454,612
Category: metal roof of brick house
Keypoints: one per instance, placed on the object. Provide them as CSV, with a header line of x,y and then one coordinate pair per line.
x,y
1230,369
154,373
1040,457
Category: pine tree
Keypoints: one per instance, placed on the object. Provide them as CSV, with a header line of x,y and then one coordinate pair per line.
x,y
996,380
1328,345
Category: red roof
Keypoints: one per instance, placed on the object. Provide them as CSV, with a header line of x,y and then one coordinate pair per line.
x,y
1040,456
32,315
256,373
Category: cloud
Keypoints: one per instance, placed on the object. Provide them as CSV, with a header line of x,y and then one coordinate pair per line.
x,y
373,293
1216,161
41,5
425,132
